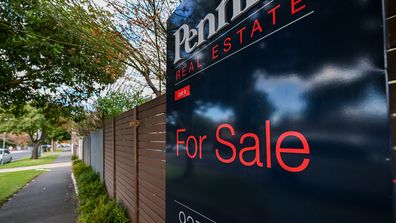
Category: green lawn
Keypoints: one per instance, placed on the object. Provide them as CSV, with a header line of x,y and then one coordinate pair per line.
x,y
11,182
45,159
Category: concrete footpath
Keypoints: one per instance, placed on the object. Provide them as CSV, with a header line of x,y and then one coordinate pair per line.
x,y
38,167
49,198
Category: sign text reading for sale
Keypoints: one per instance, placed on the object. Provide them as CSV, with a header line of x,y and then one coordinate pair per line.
x,y
268,19
229,153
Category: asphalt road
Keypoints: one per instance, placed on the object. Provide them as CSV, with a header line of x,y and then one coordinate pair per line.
x,y
20,154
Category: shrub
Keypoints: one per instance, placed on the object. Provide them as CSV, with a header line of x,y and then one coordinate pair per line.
x,y
118,214
95,205
78,168
104,210
74,158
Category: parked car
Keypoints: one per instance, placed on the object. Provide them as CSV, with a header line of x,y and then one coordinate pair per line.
x,y
46,148
64,146
5,156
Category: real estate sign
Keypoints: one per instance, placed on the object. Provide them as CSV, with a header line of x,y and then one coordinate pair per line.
x,y
277,112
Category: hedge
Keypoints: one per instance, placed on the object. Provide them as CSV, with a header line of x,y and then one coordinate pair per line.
x,y
95,206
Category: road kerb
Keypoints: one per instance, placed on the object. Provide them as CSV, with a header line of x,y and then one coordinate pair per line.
x,y
74,183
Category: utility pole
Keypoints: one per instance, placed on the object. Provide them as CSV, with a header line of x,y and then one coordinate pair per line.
x,y
4,144
3,152
4,139
4,135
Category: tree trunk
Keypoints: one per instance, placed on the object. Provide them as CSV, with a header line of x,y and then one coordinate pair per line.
x,y
36,143
35,151
53,145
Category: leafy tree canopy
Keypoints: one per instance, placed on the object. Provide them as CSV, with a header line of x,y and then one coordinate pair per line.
x,y
106,107
34,123
44,62
115,103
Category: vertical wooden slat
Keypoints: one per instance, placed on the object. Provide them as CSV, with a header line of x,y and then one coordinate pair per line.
x,y
104,151
108,156
151,165
114,160
125,162
136,153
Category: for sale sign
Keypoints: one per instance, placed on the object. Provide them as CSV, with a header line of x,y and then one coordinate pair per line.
x,y
277,112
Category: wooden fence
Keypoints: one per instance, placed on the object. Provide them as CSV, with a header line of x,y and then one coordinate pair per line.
x,y
134,165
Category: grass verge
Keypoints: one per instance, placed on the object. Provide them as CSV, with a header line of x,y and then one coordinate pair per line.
x,y
94,203
10,183
45,159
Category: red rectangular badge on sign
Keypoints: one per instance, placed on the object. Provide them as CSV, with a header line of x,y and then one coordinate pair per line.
x,y
182,93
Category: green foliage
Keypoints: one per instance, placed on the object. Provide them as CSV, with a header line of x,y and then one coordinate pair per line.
x,y
7,144
58,133
46,62
95,205
79,167
104,210
115,103
108,106
34,123
74,158
31,122
118,213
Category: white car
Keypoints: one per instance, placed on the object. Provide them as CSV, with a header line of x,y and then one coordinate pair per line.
x,y
65,147
5,156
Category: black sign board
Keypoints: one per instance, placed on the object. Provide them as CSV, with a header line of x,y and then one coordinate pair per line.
x,y
277,112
